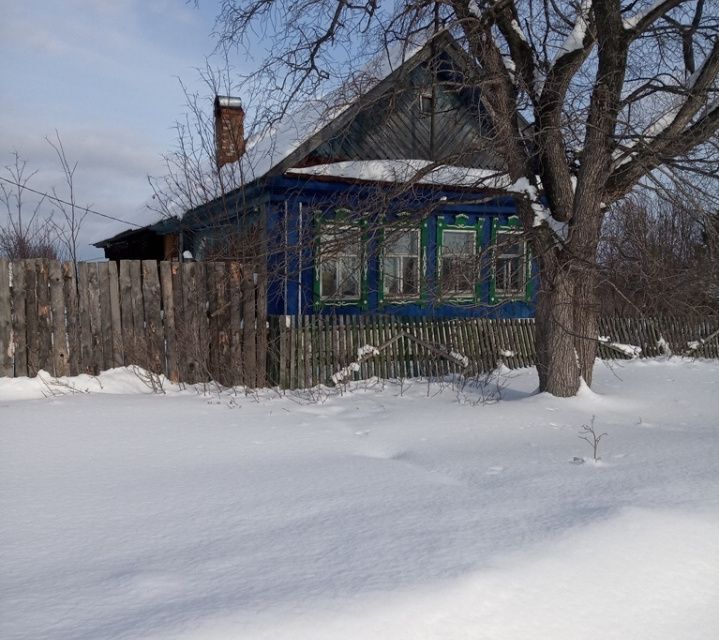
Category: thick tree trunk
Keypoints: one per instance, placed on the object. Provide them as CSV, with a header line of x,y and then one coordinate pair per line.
x,y
586,322
567,326
556,357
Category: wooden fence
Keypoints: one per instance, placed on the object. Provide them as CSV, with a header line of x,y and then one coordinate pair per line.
x,y
196,322
309,350
191,321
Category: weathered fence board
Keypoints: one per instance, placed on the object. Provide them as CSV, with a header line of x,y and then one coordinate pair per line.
x,y
31,316
60,360
44,320
152,304
96,363
19,324
6,345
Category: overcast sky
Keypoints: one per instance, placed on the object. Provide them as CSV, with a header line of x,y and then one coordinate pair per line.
x,y
104,73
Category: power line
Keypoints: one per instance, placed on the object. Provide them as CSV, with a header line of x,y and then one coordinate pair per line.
x,y
70,204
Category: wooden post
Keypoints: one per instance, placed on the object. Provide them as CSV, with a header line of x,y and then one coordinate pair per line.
x,y
126,315
261,315
235,298
168,315
152,301
180,315
116,340
60,359
69,290
203,325
19,326
85,333
139,347
6,345
103,277
249,331
190,326
33,331
44,319
219,323
294,358
97,357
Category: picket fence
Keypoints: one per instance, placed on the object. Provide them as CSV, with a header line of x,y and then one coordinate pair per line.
x,y
309,350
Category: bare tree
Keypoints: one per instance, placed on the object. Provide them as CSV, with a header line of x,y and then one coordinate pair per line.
x,y
589,101
27,231
73,215
658,257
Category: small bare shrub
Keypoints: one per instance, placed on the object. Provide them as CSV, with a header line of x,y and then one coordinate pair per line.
x,y
589,435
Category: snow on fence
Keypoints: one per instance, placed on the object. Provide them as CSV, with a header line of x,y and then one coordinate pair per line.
x,y
191,321
200,321
310,350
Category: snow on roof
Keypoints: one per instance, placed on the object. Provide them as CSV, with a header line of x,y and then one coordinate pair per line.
x,y
277,141
407,170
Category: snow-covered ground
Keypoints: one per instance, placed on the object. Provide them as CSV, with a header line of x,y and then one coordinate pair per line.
x,y
388,512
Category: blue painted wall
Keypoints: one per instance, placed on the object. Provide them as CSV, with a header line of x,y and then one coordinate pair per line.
x,y
292,207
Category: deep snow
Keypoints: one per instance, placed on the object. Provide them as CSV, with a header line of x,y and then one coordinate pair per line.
x,y
366,515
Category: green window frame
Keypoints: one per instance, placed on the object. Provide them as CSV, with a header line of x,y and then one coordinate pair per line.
x,y
340,269
402,264
511,263
458,259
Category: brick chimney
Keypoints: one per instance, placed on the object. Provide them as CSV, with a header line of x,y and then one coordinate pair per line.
x,y
229,129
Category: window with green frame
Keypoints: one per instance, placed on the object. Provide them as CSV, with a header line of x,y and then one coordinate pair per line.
x,y
510,263
401,264
339,266
458,258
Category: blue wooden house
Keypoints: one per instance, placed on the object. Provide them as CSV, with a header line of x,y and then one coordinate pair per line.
x,y
387,201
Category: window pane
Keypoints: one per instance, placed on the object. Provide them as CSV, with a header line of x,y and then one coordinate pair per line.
x,y
515,276
335,241
402,243
328,279
349,277
510,264
458,268
392,280
340,263
510,244
410,276
401,263
458,275
458,243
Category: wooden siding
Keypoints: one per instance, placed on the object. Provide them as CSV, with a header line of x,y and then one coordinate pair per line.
x,y
393,127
